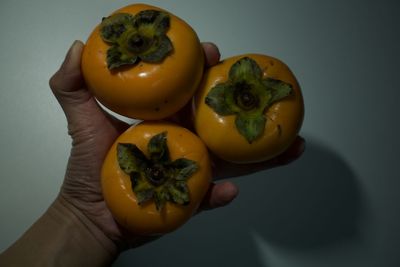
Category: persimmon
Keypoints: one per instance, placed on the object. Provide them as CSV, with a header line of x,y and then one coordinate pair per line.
x,y
143,62
248,108
155,176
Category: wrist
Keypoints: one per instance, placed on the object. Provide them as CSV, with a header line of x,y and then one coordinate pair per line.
x,y
63,236
83,226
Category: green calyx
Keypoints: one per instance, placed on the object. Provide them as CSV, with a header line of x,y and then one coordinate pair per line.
x,y
135,38
247,95
156,178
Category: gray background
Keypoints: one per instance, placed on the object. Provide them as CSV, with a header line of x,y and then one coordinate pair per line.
x,y
337,206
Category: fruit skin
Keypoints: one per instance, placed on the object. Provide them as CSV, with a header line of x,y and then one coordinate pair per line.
x,y
116,185
284,118
147,91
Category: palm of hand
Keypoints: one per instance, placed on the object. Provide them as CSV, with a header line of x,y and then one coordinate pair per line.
x,y
92,131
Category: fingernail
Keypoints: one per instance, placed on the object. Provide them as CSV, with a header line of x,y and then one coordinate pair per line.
x,y
70,55
229,192
212,53
70,51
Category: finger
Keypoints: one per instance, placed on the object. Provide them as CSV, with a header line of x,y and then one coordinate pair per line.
x,y
212,54
223,169
219,195
67,83
182,117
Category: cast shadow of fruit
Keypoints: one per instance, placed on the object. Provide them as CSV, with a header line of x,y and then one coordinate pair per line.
x,y
314,202
311,203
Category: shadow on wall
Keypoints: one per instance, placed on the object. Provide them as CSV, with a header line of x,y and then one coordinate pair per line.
x,y
311,203
315,202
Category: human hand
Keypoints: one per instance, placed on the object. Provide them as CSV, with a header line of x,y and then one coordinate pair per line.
x,y
93,131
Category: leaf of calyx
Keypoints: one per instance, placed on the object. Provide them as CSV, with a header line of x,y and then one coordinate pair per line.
x,y
245,69
144,195
160,198
250,126
141,188
130,158
112,27
179,192
183,168
278,88
158,149
217,99
158,20
115,58
158,51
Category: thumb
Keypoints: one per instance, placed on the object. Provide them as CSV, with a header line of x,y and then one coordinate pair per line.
x,y
67,83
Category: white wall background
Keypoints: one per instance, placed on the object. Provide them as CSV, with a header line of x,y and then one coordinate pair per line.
x,y
337,206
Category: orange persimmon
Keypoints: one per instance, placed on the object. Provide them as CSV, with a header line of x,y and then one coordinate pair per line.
x,y
143,62
249,108
155,176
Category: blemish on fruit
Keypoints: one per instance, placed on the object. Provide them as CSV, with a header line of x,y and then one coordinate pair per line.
x,y
279,129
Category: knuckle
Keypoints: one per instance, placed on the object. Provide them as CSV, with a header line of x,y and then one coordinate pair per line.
x,y
54,82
